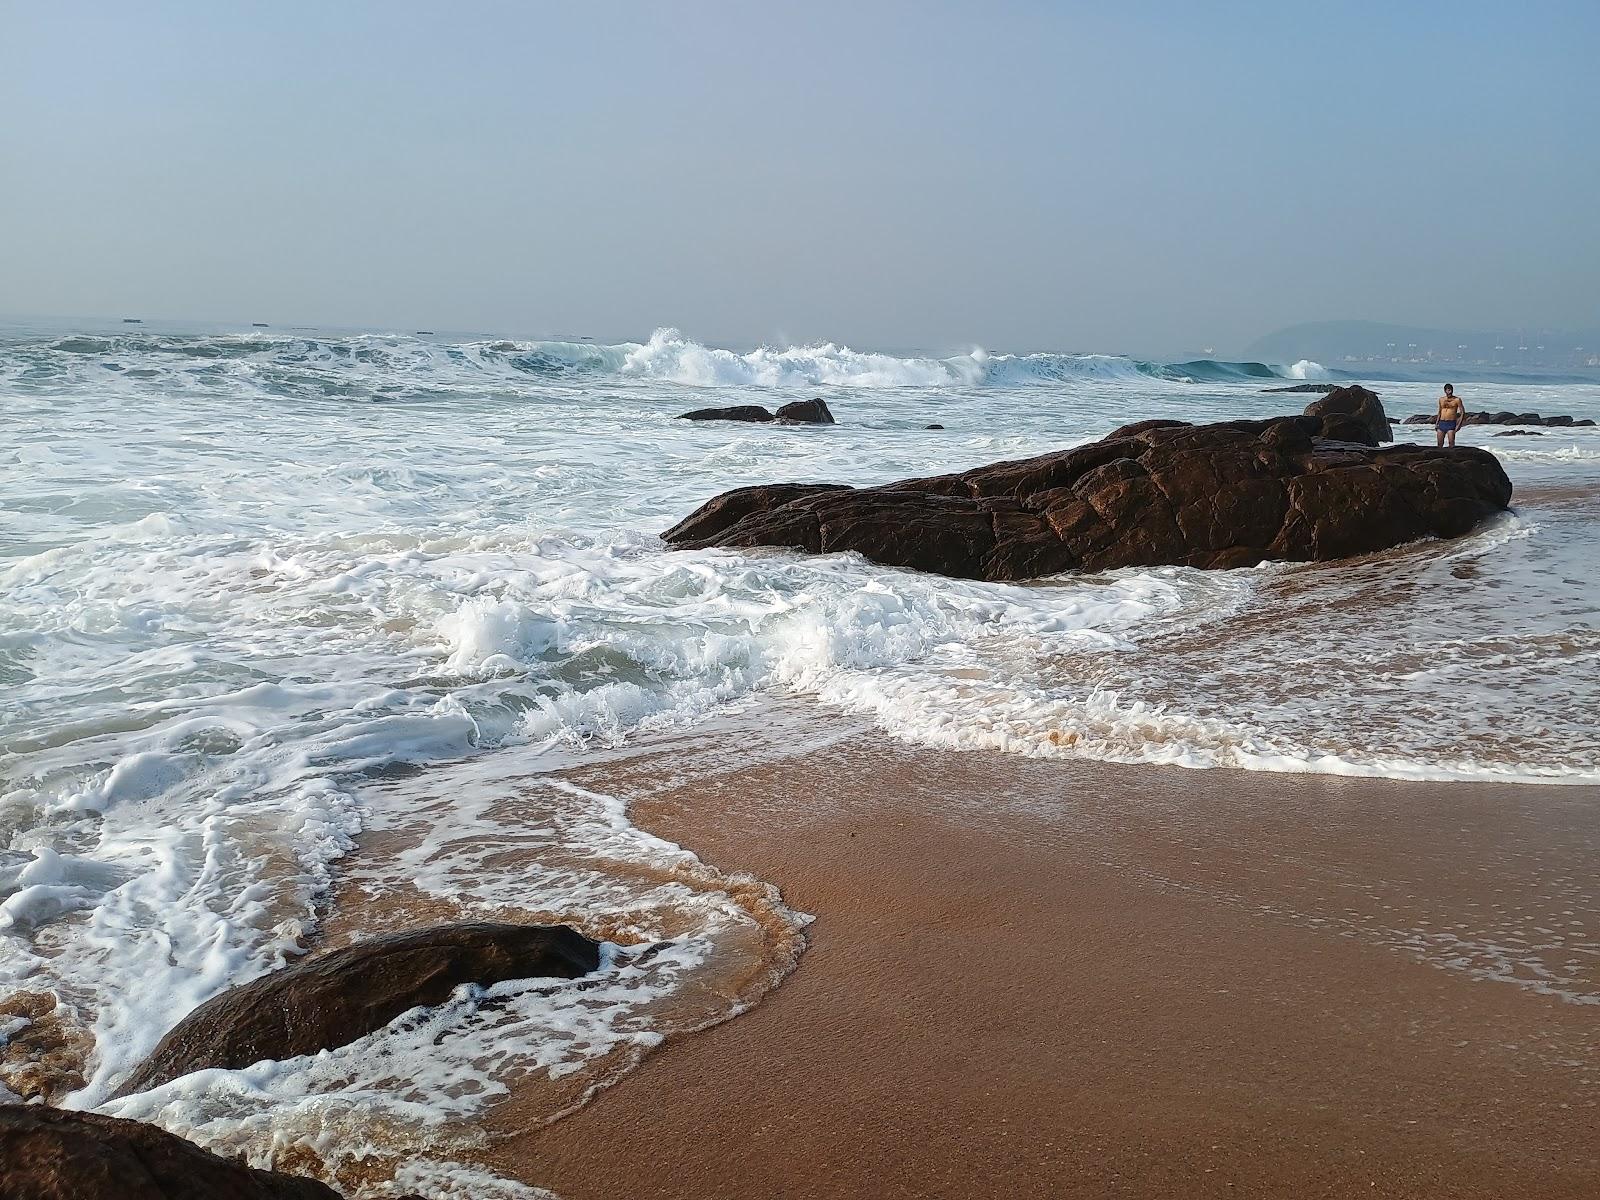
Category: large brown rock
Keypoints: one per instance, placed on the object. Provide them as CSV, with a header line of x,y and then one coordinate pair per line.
x,y
335,998
1158,492
52,1154
1351,414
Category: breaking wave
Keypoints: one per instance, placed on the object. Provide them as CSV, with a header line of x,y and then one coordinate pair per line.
x,y
360,364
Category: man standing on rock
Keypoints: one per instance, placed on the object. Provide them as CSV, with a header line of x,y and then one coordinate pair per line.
x,y
1452,414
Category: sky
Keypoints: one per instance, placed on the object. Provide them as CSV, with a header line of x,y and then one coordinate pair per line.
x,y
1138,177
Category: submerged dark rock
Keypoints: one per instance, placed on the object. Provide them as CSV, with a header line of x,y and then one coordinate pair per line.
x,y
1518,433
797,412
1306,387
738,412
935,426
1157,492
335,998
53,1154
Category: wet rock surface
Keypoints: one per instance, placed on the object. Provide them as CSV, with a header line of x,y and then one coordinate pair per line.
x,y
52,1154
333,999
1158,492
1352,414
807,412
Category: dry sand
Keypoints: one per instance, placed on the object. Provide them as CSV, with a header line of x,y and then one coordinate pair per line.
x,y
1058,978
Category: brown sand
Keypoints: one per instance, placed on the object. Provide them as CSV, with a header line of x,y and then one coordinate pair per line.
x,y
1047,978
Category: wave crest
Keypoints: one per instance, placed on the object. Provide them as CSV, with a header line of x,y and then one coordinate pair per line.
x,y
668,356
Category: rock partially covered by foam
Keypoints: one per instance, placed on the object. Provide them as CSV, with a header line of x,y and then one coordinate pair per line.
x,y
797,412
335,998
1351,414
1158,492
52,1154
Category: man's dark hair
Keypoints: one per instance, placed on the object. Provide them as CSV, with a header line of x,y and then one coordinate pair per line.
x,y
1450,387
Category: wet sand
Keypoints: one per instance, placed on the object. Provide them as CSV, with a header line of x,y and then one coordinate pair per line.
x,y
1055,978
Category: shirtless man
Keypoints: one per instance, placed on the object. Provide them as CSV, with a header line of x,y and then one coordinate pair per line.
x,y
1452,414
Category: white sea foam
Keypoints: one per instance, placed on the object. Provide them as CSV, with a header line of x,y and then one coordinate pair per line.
x,y
223,632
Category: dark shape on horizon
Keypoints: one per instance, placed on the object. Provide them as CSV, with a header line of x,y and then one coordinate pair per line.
x,y
332,999
56,1154
1231,494
258,324
132,321
798,412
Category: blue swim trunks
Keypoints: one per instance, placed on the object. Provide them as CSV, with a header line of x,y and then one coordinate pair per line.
x,y
1447,426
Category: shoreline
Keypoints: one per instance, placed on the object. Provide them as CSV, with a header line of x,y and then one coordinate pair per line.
x,y
1045,978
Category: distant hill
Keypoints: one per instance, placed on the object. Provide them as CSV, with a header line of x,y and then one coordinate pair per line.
x,y
1342,343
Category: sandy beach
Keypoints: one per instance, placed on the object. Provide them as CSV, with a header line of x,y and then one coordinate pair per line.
x,y
1064,978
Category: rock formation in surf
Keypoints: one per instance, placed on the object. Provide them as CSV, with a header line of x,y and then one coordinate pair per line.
x,y
1347,409
796,412
335,998
1560,421
1158,492
53,1154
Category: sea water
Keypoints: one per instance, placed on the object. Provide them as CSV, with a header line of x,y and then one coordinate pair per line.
x,y
300,623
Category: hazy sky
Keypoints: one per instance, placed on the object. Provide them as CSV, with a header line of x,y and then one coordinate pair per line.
x,y
1118,177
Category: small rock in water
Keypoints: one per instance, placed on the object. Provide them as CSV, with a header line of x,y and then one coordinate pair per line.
x,y
737,412
1518,433
935,427
807,412
798,412
333,999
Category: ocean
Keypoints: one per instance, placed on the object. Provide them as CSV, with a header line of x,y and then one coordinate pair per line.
x,y
303,635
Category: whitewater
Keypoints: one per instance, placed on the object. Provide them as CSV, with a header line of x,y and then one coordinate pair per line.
x,y
299,623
